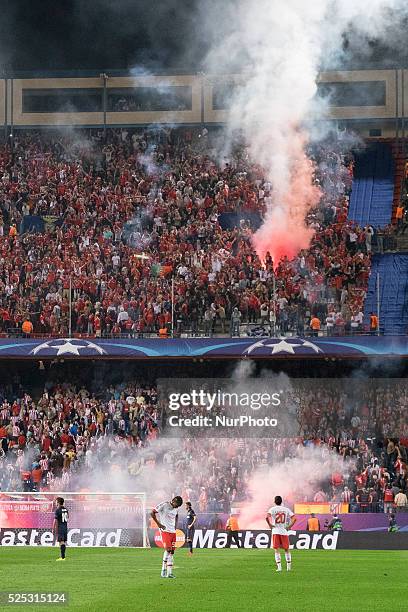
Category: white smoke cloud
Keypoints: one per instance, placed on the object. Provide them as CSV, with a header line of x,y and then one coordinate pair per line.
x,y
281,46
296,478
112,466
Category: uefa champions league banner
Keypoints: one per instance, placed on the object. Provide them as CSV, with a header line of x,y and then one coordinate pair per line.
x,y
197,348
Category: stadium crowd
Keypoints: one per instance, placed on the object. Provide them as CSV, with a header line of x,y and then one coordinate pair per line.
x,y
112,223
68,438
119,226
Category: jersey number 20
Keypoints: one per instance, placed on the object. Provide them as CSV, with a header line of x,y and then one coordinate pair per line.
x,y
280,518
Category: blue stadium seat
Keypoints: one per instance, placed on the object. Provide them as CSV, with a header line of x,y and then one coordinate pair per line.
x,y
393,271
373,186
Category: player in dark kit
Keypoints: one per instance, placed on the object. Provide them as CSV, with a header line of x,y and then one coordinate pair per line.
x,y
60,526
191,519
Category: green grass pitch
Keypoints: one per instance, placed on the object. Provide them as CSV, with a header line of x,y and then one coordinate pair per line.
x,y
228,580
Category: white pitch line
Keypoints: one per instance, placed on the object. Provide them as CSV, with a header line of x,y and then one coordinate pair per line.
x,y
139,569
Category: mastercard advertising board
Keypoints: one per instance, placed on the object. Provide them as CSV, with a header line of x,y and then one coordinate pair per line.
x,y
180,538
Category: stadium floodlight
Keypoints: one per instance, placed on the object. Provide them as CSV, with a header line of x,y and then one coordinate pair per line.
x,y
95,519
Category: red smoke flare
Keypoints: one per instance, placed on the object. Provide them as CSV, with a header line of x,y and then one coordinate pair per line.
x,y
284,231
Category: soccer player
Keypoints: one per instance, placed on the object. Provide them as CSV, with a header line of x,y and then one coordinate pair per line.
x,y
60,526
165,516
191,519
280,519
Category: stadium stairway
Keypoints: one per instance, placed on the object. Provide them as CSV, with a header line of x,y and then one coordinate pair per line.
x,y
399,153
371,200
393,275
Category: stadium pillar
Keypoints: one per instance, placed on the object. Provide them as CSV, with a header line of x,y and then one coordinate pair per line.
x,y
202,86
403,110
378,303
274,302
172,306
5,108
70,308
12,118
396,109
104,78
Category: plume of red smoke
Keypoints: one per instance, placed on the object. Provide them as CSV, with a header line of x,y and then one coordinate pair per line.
x,y
295,479
284,231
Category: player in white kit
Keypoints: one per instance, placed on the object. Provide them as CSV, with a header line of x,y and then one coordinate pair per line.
x,y
280,520
165,516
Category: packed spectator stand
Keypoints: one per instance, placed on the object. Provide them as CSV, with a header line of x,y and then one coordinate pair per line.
x,y
131,241
125,236
69,438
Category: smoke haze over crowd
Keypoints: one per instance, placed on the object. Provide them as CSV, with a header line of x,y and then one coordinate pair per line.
x,y
282,46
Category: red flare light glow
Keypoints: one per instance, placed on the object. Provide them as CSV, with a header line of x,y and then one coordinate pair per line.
x,y
284,231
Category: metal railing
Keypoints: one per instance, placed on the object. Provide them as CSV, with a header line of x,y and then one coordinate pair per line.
x,y
246,330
